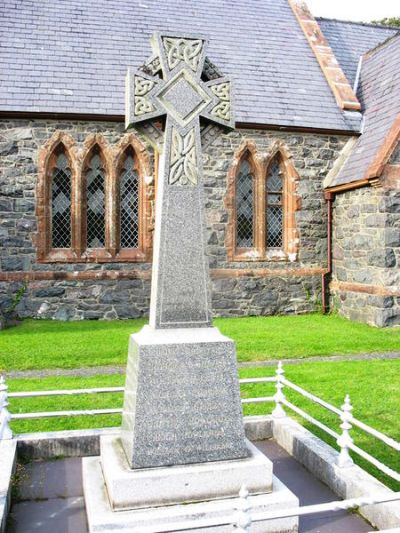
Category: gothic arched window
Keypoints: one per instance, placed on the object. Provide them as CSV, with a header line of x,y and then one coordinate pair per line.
x,y
262,200
274,205
94,207
245,205
129,202
95,200
61,192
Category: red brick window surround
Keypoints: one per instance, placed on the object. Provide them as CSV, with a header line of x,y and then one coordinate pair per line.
x,y
261,202
94,204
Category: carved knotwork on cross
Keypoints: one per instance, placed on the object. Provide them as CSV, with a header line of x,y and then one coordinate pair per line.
x,y
180,94
171,84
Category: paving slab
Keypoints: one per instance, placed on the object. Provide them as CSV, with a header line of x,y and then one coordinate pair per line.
x,y
44,480
57,515
310,491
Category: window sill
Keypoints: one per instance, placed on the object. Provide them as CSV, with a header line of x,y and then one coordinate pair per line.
x,y
94,255
274,255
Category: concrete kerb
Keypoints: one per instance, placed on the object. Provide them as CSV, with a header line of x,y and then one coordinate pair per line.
x,y
86,442
319,458
8,460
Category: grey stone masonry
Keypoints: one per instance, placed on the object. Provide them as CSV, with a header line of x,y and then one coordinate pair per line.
x,y
295,288
366,255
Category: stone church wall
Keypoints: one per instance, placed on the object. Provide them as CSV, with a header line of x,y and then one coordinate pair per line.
x,y
366,255
111,290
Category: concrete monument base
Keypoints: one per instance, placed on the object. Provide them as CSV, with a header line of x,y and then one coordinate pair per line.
x,y
102,518
153,487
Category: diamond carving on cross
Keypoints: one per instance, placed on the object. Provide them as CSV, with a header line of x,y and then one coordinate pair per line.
x,y
171,84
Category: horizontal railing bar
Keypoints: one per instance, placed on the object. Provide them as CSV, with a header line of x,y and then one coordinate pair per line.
x,y
310,419
354,421
339,505
261,399
310,396
271,379
65,392
375,433
68,392
50,414
380,466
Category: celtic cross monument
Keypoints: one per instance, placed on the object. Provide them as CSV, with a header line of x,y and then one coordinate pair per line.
x,y
182,437
182,401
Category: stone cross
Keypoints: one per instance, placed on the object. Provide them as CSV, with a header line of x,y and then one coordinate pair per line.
x,y
182,402
180,295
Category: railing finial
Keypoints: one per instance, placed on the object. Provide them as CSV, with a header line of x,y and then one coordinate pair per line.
x,y
5,417
345,441
279,412
243,507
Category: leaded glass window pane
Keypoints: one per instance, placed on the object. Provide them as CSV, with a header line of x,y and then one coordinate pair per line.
x,y
274,214
95,199
244,206
61,203
129,204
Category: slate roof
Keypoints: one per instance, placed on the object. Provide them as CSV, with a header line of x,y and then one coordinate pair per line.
x,y
379,94
350,40
71,56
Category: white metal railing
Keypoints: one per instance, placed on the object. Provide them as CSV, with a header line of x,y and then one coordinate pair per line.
x,y
344,439
5,417
245,518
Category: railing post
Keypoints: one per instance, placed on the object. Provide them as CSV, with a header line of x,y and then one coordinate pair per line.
x,y
344,441
243,522
5,417
279,412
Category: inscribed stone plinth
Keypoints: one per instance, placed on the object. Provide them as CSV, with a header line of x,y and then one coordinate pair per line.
x,y
182,402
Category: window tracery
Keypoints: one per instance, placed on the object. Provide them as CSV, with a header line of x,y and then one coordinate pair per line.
x,y
61,189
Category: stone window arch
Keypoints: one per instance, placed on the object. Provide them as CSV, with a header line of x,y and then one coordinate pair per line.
x,y
61,198
56,191
133,201
261,202
129,201
274,204
94,200
94,204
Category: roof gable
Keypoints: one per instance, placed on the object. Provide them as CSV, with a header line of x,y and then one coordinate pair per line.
x,y
379,93
350,40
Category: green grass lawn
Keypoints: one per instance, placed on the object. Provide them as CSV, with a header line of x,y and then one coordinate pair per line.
x,y
39,344
374,387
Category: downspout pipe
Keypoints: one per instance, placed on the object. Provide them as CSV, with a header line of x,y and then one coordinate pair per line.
x,y
326,277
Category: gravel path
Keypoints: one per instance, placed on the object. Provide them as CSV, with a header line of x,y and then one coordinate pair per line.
x,y
111,370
